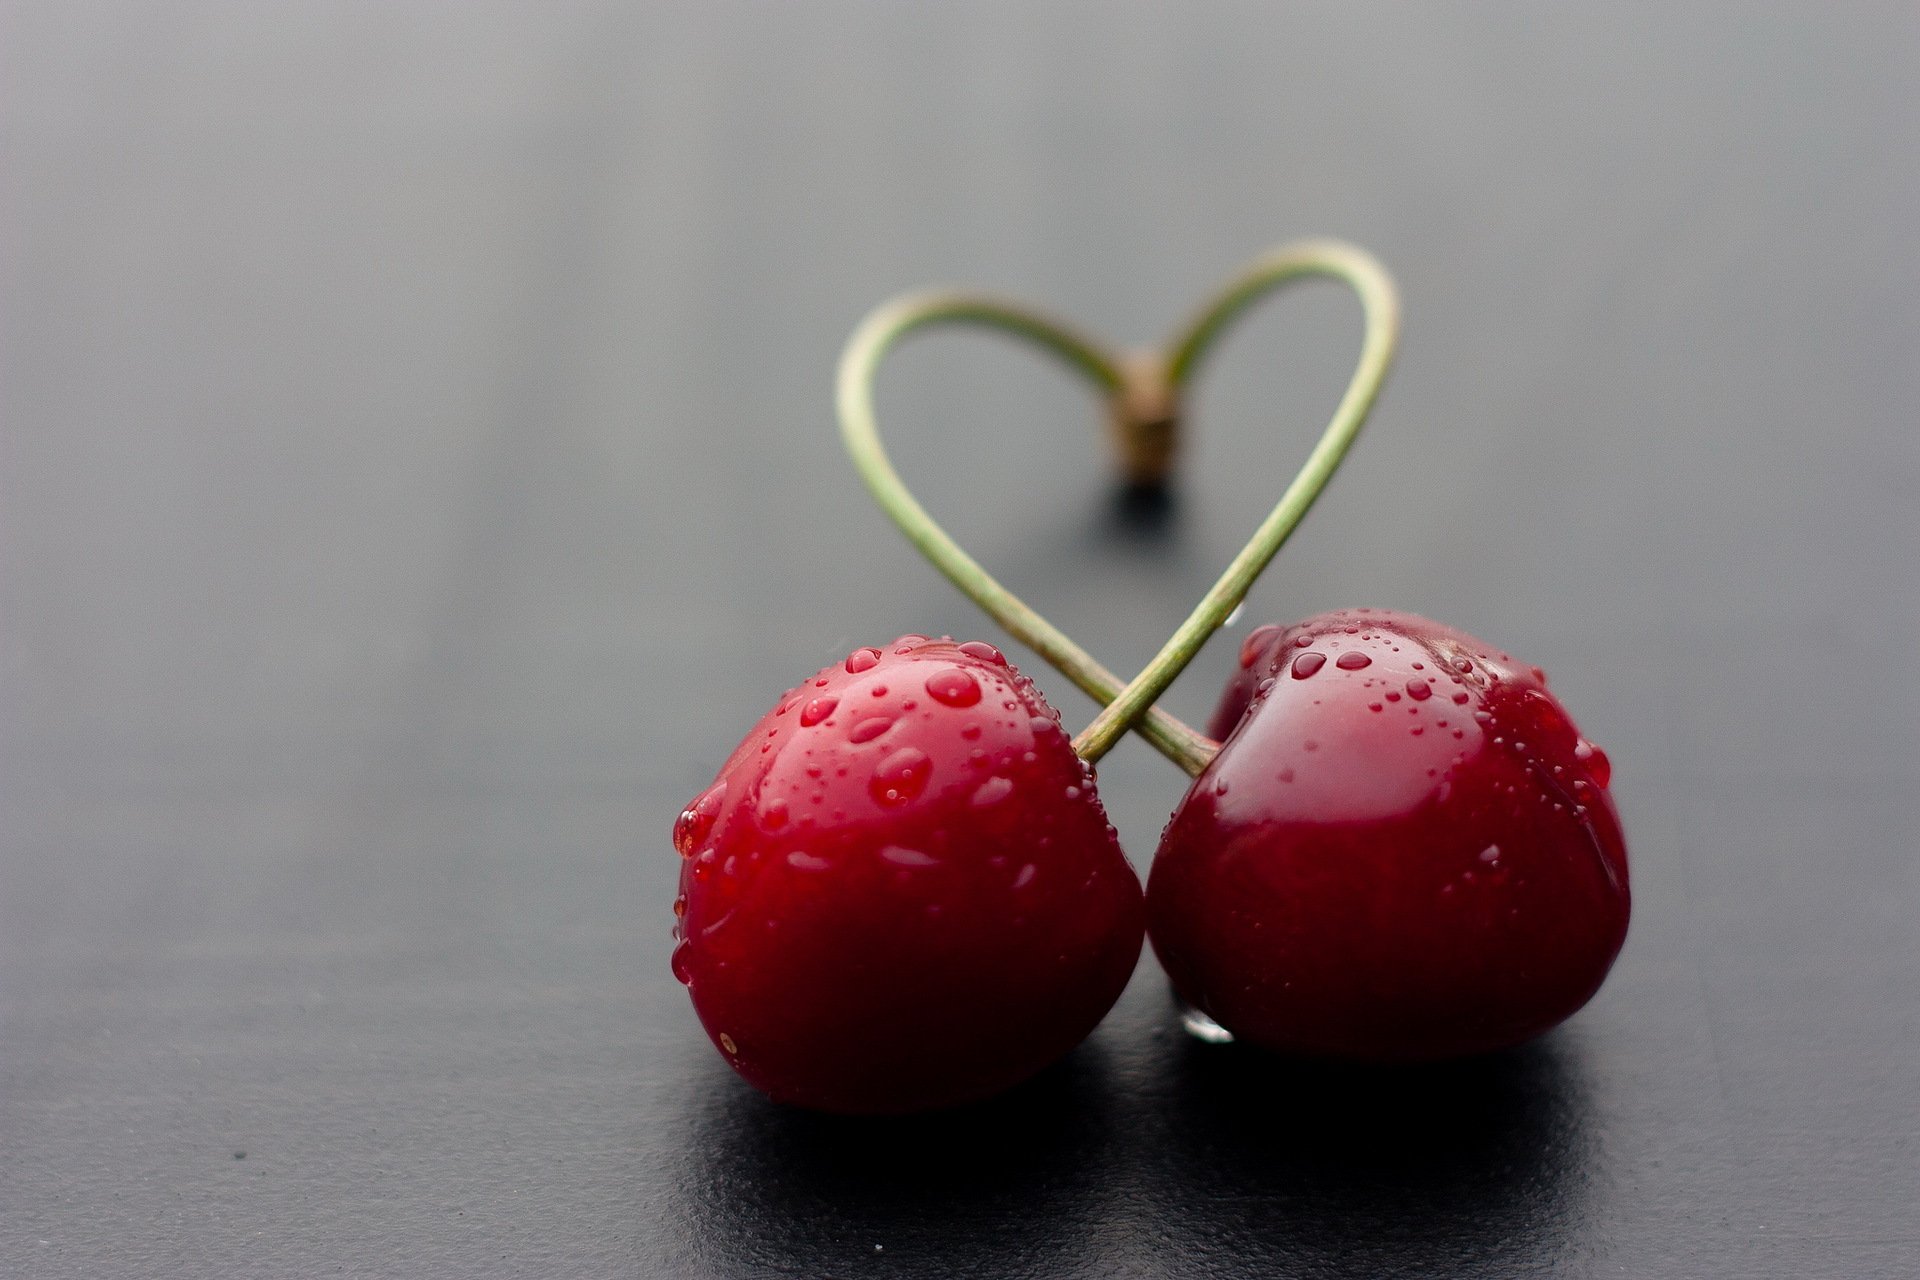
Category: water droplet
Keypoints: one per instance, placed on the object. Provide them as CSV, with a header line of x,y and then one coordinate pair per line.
x,y
1462,697
1256,644
800,861
862,660
1073,792
1201,1027
900,856
1025,878
1419,690
1539,673
726,1042
696,821
878,691
985,652
1463,664
1311,745
1308,663
1285,775
1419,666
1303,641
679,964
1043,725
774,816
953,687
1352,660
870,728
1490,854
1393,695
901,776
816,711
992,791
908,641
970,732
1220,787
680,907
1373,706
1596,761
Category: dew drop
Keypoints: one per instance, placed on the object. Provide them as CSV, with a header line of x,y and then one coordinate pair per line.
x,y
970,732
908,641
901,856
1352,660
1374,706
1308,663
985,652
774,816
679,964
1220,787
800,861
1025,878
1419,690
696,821
1462,697
870,728
901,776
1256,643
1490,854
1285,775
816,711
1043,725
680,907
1596,761
992,792
953,687
726,1042
862,660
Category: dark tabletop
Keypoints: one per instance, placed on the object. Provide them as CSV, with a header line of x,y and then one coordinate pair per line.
x,y
419,471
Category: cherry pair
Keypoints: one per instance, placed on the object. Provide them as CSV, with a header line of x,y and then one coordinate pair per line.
x,y
902,891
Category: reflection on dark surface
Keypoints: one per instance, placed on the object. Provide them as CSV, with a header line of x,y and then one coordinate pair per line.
x,y
1003,1188
1142,512
1202,1160
1453,1169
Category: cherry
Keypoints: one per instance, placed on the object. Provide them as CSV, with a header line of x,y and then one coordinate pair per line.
x,y
1404,849
902,891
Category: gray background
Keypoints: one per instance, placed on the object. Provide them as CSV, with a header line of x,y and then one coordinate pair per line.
x,y
419,471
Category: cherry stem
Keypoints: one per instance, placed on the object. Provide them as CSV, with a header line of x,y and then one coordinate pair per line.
x,y
1143,398
1380,301
860,430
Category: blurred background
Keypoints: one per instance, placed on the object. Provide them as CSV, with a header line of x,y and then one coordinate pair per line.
x,y
417,470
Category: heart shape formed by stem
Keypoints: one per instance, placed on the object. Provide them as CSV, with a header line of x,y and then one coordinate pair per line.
x,y
1143,396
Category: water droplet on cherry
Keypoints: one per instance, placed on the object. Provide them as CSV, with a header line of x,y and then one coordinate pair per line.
x,y
953,687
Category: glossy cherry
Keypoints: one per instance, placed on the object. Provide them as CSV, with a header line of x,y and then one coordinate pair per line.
x,y
1404,850
902,891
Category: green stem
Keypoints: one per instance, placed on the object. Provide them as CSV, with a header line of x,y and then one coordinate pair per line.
x,y
860,430
1381,304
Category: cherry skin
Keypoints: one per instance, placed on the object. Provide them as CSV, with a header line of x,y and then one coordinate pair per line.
x,y
902,891
1404,850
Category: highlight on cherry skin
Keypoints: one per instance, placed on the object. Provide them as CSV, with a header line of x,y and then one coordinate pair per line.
x,y
901,892
1404,849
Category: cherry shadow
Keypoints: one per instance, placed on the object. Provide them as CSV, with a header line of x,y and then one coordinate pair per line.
x,y
1465,1168
1008,1187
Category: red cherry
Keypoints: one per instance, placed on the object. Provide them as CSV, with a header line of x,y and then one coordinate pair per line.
x,y
902,891
1404,850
